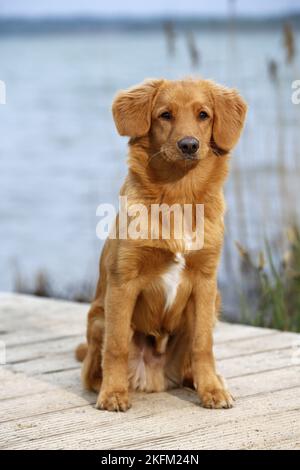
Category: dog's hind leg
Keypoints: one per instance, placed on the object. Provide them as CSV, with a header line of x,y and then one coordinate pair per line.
x,y
91,369
178,351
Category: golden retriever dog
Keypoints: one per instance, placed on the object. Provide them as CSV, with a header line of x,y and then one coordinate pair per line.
x,y
150,326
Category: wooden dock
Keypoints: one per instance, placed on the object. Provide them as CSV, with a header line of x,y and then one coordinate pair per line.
x,y
43,405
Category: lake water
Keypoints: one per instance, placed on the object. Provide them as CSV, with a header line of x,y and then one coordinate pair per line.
x,y
60,155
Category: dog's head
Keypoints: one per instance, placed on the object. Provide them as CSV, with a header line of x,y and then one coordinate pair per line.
x,y
184,120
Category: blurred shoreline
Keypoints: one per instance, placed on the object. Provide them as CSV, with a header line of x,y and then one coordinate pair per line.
x,y
86,24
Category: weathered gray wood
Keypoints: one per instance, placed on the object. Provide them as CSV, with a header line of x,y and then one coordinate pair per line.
x,y
34,349
43,405
293,444
17,385
237,365
28,317
154,423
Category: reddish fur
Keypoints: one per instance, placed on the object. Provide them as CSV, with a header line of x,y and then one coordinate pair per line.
x,y
129,301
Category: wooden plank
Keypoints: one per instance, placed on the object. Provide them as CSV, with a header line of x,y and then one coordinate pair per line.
x,y
19,304
47,364
24,313
43,405
230,332
153,423
46,397
47,346
255,363
18,384
265,382
34,313
255,345
250,434
229,367
48,401
18,335
31,336
293,444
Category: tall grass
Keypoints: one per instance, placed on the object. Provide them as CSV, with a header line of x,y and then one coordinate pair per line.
x,y
273,298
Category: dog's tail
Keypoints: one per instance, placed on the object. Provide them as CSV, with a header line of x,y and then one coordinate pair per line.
x,y
81,351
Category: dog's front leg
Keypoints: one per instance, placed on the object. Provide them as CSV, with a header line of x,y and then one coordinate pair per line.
x,y
119,305
209,385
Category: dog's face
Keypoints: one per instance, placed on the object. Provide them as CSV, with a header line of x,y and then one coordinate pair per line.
x,y
184,120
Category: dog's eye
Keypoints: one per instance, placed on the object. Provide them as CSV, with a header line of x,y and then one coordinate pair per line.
x,y
203,115
166,115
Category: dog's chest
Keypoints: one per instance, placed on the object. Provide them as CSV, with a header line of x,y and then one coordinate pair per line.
x,y
171,279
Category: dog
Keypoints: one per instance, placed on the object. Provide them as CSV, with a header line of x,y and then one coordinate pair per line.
x,y
150,326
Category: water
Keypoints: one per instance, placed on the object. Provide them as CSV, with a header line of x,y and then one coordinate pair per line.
x,y
60,155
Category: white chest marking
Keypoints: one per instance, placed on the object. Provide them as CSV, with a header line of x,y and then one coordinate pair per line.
x,y
171,279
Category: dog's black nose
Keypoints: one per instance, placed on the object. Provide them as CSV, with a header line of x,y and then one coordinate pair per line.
x,y
188,145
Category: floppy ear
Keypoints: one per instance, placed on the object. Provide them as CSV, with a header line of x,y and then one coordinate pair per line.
x,y
132,108
229,117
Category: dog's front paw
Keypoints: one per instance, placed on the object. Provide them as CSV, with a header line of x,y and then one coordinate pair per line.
x,y
216,398
215,394
113,401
